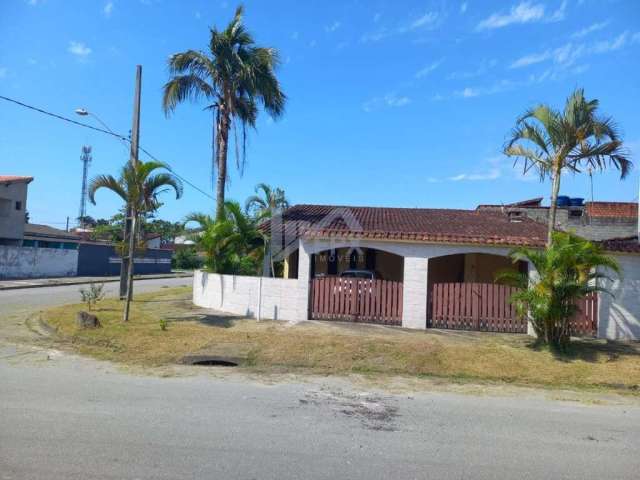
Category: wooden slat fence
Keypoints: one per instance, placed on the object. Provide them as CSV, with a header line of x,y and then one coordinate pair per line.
x,y
486,307
585,320
475,306
356,300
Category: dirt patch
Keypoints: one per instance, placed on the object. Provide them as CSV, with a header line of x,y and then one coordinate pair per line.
x,y
372,411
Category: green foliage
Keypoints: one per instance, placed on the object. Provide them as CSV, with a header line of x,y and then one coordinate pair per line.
x,y
92,295
163,324
167,230
566,271
186,259
266,200
232,244
551,142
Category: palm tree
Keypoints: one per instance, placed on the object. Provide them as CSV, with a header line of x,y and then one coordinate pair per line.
x,y
139,187
266,200
567,270
553,142
234,78
231,244
262,206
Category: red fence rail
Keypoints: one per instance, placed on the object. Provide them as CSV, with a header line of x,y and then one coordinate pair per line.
x,y
356,300
486,307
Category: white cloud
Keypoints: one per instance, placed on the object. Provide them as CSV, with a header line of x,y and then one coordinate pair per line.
x,y
108,9
198,15
590,29
567,54
391,100
463,7
469,92
428,69
79,49
427,21
483,68
474,177
312,43
333,27
377,17
524,12
559,14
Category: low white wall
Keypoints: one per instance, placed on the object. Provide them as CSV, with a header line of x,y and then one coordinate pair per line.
x,y
253,297
619,315
31,262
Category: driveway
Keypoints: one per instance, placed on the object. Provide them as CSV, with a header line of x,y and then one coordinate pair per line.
x,y
68,417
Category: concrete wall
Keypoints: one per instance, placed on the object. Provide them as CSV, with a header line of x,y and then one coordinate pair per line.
x,y
11,220
30,262
619,316
253,297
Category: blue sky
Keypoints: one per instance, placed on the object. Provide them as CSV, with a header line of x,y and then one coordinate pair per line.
x,y
403,103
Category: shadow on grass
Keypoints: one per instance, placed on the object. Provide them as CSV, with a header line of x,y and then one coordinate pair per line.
x,y
589,350
211,320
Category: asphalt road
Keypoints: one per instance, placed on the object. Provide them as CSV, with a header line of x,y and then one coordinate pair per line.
x,y
29,299
67,417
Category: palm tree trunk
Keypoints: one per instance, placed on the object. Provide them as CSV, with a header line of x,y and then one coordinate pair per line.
x,y
221,159
555,190
132,245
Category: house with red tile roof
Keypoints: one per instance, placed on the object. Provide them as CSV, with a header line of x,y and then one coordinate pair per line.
x,y
412,267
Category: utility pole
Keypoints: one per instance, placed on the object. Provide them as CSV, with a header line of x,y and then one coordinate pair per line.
x,y
129,234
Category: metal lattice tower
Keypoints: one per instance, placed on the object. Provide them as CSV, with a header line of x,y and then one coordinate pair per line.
x,y
85,158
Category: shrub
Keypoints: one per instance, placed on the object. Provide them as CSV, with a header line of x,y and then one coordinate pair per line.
x,y
93,294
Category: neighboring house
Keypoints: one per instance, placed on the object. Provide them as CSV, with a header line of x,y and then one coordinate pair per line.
x,y
432,268
44,236
591,220
13,205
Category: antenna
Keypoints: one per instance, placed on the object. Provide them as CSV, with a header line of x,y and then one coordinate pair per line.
x,y
85,158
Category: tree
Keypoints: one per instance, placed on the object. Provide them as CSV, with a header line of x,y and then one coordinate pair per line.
x,y
266,200
553,142
234,78
566,271
262,206
138,186
231,244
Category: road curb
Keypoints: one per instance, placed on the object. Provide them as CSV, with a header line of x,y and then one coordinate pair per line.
x,y
24,287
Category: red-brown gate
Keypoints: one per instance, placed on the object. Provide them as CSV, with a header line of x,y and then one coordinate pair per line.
x,y
486,307
356,300
475,306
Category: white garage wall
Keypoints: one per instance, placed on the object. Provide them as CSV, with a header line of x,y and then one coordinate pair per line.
x,y
31,262
253,297
619,315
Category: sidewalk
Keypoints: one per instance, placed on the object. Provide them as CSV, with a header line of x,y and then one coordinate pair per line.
x,y
61,281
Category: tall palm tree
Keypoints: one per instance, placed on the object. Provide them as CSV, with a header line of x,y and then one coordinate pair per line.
x,y
139,187
262,206
568,270
553,142
234,78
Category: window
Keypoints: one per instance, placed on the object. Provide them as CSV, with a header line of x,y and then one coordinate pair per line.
x,y
18,205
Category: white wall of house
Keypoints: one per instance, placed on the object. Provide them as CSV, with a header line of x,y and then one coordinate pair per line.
x,y
12,218
619,315
253,297
288,299
30,262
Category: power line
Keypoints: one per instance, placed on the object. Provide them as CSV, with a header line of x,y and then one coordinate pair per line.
x,y
108,132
